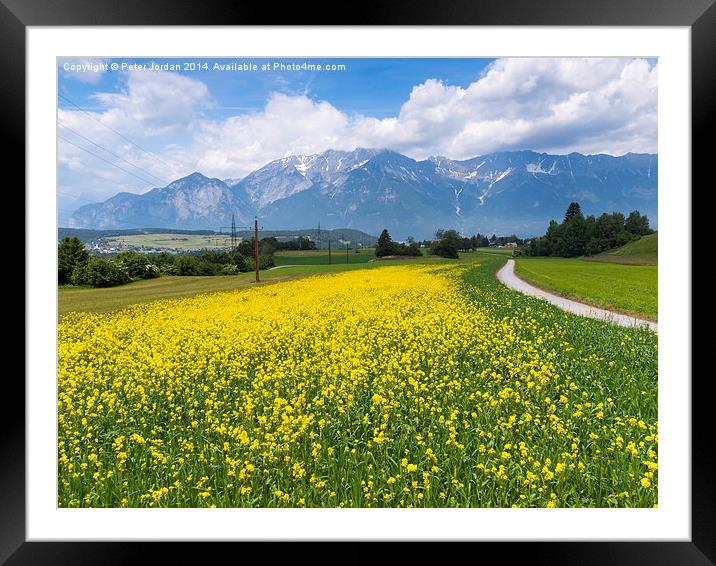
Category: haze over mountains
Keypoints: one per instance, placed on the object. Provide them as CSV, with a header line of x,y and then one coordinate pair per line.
x,y
369,189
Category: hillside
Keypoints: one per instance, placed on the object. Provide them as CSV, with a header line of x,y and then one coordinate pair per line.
x,y
644,251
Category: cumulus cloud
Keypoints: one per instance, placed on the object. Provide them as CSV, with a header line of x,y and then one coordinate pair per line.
x,y
155,103
287,125
606,105
560,105
132,131
555,105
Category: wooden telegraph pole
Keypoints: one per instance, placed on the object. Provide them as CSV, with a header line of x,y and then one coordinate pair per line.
x,y
256,247
329,252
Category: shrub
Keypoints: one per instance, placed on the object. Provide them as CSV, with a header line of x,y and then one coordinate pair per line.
x,y
138,266
191,265
102,273
78,275
168,269
242,263
265,261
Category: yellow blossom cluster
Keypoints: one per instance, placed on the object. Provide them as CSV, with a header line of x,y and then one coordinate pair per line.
x,y
398,386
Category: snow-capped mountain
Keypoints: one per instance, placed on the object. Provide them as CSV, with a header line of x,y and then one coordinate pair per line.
x,y
371,189
286,177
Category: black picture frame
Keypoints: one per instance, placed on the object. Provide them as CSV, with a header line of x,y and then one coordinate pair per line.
x,y
17,15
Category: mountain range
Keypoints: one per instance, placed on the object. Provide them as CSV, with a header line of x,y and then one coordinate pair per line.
x,y
370,189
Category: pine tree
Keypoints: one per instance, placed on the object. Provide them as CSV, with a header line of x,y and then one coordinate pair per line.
x,y
573,210
385,245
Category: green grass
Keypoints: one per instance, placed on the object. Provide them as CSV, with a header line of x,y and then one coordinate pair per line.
x,y
320,257
630,289
497,251
644,251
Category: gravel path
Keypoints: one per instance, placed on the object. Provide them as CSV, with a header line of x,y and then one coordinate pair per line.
x,y
508,277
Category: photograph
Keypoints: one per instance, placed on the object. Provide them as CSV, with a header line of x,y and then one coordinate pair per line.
x,y
358,282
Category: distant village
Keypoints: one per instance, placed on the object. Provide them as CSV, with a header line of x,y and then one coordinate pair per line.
x,y
110,247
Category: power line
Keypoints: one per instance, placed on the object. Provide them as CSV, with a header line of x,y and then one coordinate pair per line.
x,y
106,160
110,152
113,130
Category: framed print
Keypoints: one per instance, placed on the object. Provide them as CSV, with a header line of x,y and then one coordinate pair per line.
x,y
395,280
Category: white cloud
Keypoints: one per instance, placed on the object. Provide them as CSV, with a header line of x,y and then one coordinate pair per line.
x,y
558,105
555,105
152,109
155,103
287,125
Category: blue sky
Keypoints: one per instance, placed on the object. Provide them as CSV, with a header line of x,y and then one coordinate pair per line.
x,y
163,124
376,87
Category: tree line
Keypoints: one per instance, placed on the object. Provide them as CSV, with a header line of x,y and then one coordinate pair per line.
x,y
578,235
387,247
76,266
447,244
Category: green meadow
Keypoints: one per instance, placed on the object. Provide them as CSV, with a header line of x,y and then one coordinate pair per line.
x,y
631,289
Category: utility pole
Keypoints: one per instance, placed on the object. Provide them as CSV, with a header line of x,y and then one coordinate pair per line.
x,y
233,233
256,246
319,235
329,252
346,252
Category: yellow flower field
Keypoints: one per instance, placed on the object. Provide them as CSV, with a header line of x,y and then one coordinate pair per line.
x,y
379,387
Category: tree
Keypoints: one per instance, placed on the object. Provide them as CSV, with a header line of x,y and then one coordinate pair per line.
x,y
574,237
572,210
385,245
268,246
552,237
304,243
447,244
246,247
71,253
607,229
578,235
637,224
